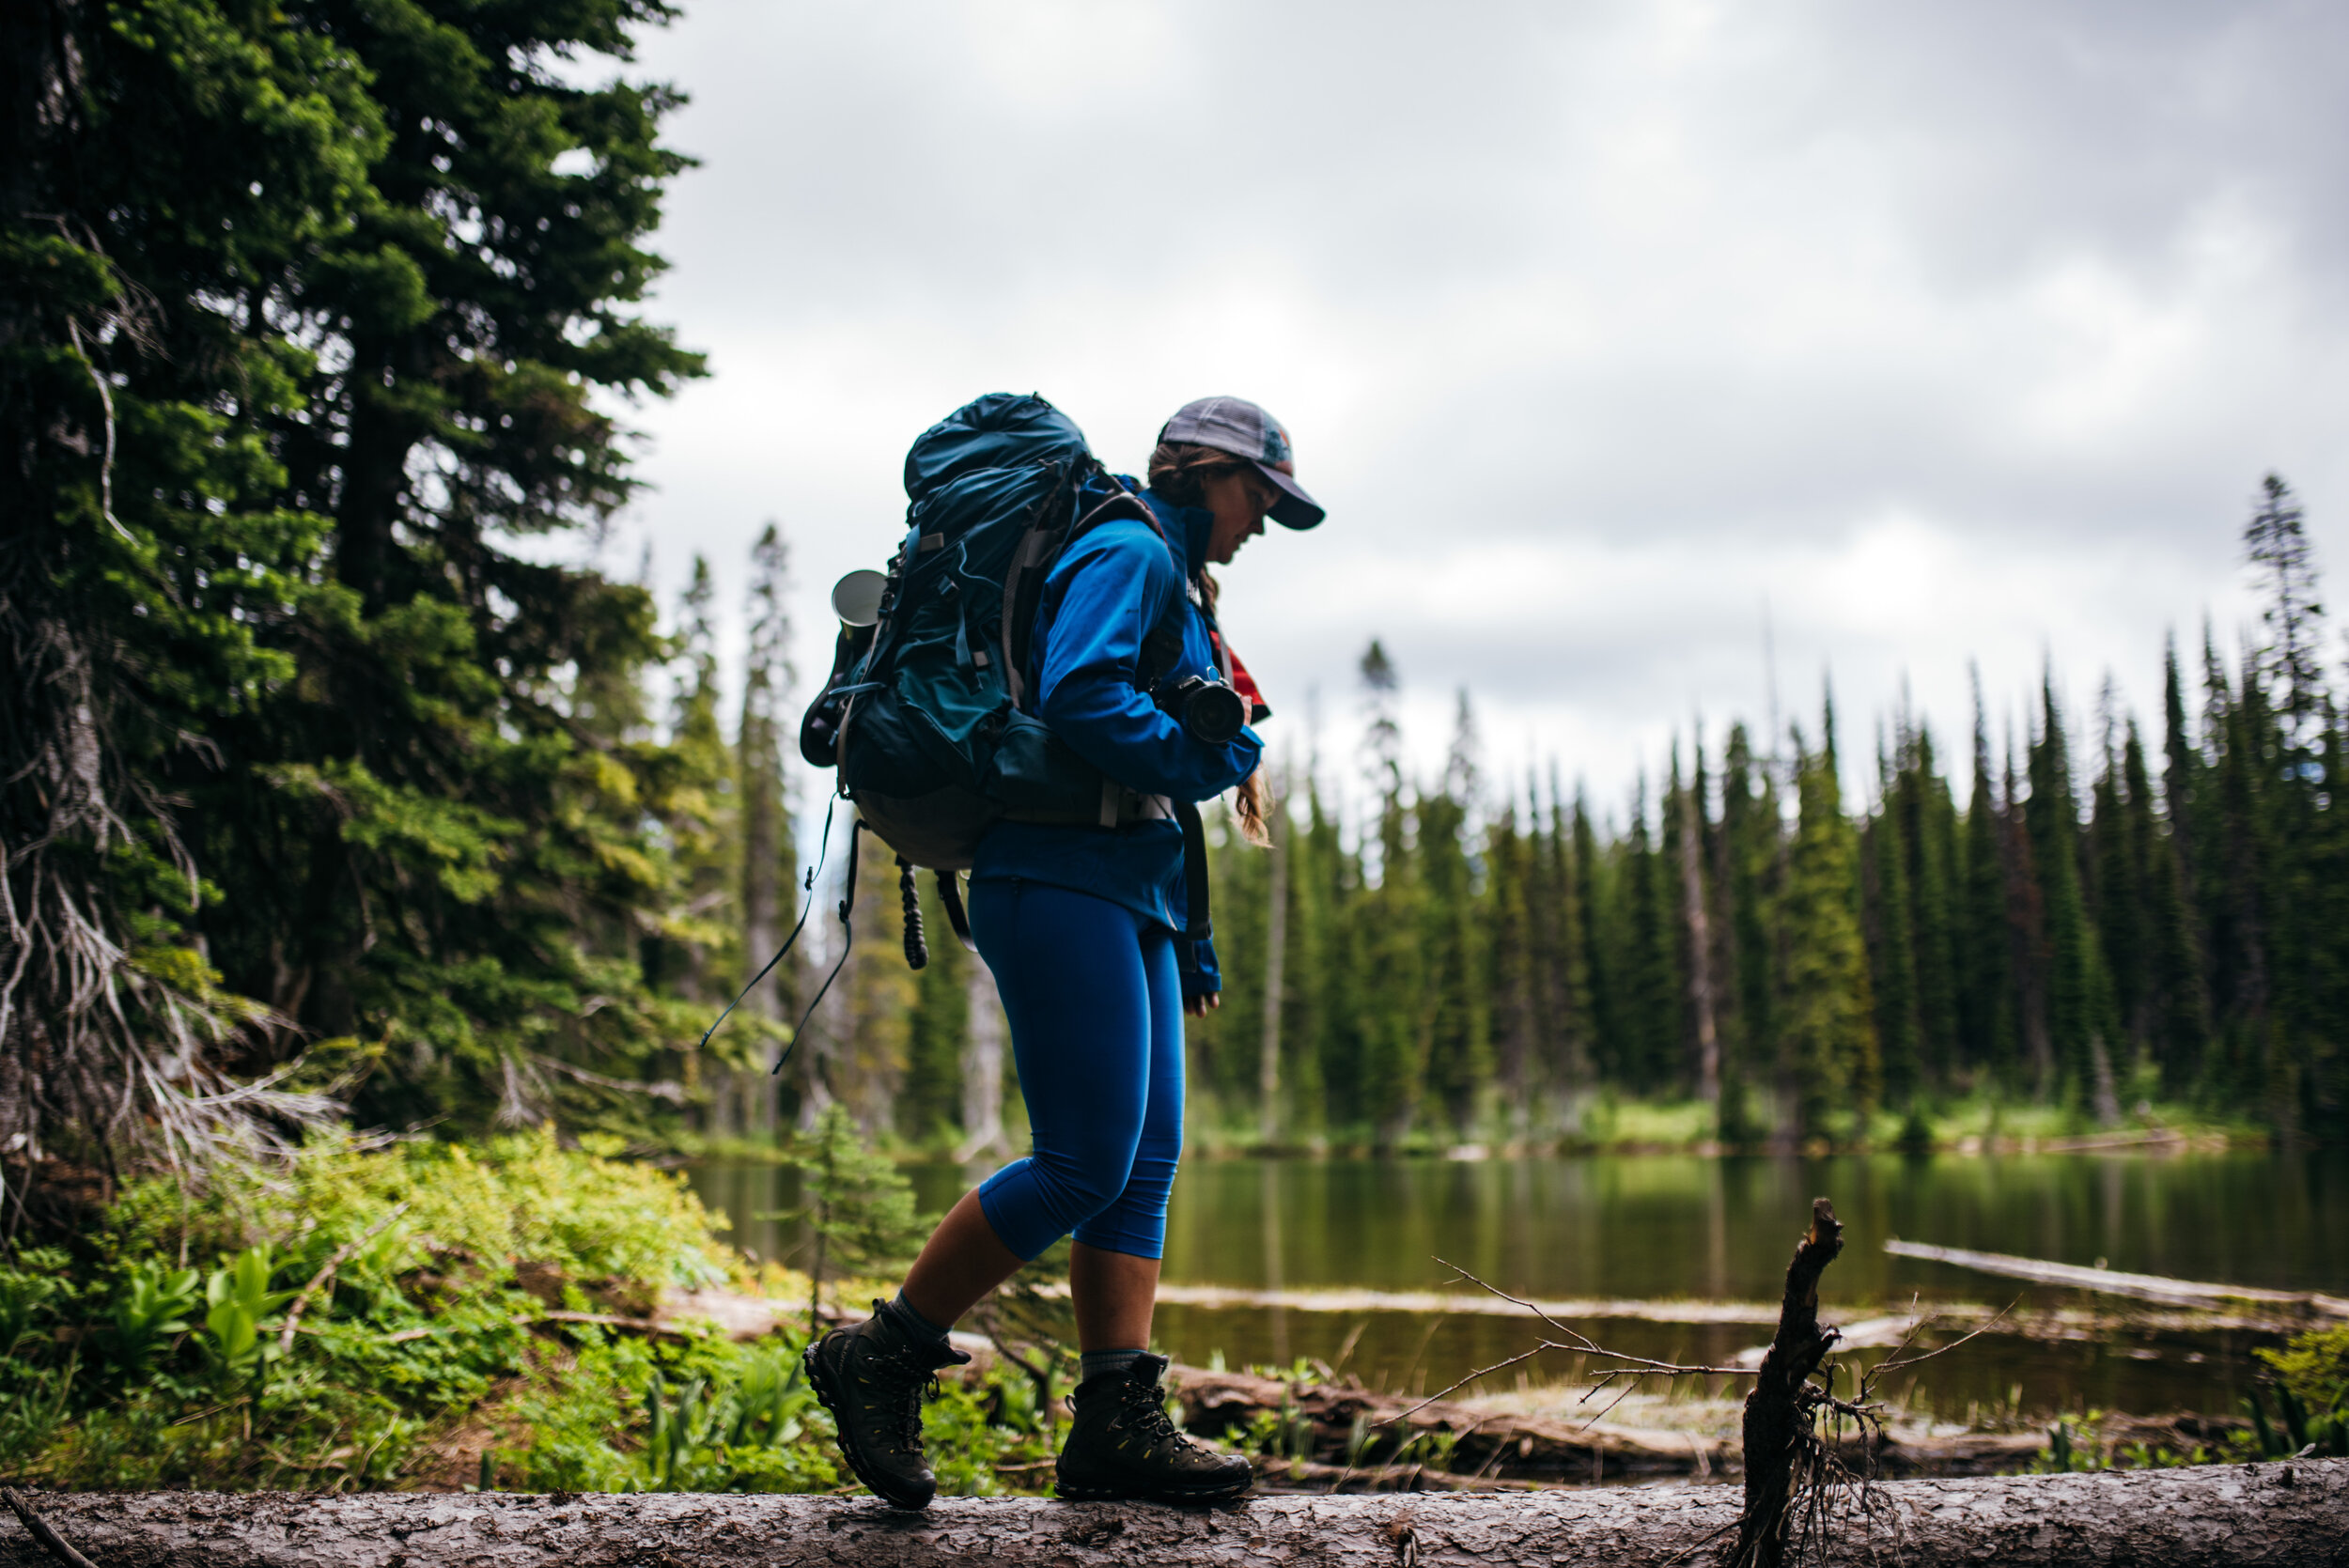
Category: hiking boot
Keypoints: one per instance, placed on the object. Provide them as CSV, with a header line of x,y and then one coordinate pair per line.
x,y
1123,1445
872,1377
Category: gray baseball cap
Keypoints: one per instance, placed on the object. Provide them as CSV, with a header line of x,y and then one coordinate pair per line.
x,y
1237,426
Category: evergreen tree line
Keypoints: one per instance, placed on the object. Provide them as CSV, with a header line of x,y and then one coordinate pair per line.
x,y
2143,917
2089,925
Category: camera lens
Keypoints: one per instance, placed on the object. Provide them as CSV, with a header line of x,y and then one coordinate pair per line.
x,y
1214,713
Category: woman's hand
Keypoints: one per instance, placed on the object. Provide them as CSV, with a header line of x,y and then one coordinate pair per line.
x,y
1200,1005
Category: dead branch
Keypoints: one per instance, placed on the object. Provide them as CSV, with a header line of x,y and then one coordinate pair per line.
x,y
326,1272
41,1530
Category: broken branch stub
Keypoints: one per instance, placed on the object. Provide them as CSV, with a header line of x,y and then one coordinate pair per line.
x,y
1781,1451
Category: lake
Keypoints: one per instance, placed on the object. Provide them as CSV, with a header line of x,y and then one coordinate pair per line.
x,y
1662,1228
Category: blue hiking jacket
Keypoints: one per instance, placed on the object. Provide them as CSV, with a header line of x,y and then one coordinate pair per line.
x,y
1100,599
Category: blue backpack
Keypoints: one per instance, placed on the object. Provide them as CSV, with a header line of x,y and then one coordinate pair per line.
x,y
926,713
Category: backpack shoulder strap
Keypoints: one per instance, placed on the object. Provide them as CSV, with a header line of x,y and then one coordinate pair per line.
x,y
1040,548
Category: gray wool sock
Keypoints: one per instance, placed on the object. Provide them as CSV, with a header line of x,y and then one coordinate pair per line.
x,y
1093,1363
903,1314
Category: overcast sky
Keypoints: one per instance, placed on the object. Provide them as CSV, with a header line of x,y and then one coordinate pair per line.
x,y
1945,332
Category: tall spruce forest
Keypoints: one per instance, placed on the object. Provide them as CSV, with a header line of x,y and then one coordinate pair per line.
x,y
334,791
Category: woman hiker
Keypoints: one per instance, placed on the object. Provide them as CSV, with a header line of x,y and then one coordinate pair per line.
x,y
1082,927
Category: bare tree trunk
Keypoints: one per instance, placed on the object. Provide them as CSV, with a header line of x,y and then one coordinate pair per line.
x,y
2106,1099
982,1067
1275,974
1700,947
2211,1515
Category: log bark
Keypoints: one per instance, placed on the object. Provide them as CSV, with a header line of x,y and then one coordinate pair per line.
x,y
2234,1516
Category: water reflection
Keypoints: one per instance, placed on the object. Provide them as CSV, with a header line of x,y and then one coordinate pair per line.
x,y
1667,1227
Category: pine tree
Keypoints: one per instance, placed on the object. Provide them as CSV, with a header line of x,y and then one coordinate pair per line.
x,y
2188,1040
2242,767
1651,995
1827,1029
1459,1045
1700,950
1987,1005
1569,1013
767,847
1392,1003
2119,826
1509,978
2276,541
2052,818
451,707
1884,854
1752,832
698,951
1595,906
2027,932
171,175
1312,1037
2291,806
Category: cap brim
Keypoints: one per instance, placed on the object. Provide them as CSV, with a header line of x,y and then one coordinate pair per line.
x,y
1295,509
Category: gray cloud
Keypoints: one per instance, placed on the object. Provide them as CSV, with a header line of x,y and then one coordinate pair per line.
x,y
1947,331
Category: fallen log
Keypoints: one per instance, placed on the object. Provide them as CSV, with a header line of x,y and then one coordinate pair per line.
x,y
2139,1287
1346,1423
2274,1514
1487,1446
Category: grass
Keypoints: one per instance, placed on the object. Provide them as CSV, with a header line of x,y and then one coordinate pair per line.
x,y
1977,1122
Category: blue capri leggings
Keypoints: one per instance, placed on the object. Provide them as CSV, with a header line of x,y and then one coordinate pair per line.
x,y
1095,1007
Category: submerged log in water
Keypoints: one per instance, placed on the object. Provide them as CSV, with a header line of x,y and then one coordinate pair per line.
x,y
2136,1287
2230,1514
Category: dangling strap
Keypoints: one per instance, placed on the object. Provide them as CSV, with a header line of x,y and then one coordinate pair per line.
x,y
847,940
910,898
1197,926
809,886
950,895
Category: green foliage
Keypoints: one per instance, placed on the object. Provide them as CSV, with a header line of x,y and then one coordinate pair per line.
x,y
860,1207
238,1303
2315,1364
2321,1433
128,1371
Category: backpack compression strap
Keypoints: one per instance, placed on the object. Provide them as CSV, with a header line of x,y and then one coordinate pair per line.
x,y
1196,925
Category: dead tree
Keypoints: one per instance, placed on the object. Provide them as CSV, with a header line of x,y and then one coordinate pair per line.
x,y
1784,1455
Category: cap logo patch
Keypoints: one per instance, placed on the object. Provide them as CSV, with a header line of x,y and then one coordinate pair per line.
x,y
1276,445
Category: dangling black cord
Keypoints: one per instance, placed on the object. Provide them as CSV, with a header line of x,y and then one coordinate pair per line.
x,y
917,948
848,939
822,849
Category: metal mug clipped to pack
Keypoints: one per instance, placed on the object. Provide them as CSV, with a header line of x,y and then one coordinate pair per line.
x,y
1209,711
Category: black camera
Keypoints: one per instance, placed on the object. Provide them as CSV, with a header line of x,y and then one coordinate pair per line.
x,y
1209,711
